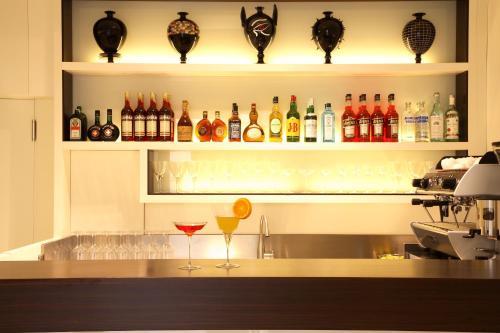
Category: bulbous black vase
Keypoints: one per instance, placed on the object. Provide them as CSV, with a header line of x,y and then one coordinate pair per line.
x,y
259,29
183,35
418,36
110,34
327,33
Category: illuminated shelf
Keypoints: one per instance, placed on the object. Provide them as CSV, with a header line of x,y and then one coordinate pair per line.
x,y
213,70
266,146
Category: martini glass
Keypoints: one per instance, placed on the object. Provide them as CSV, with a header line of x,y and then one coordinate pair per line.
x,y
227,224
189,229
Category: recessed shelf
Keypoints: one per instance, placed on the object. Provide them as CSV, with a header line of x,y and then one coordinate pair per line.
x,y
235,70
267,146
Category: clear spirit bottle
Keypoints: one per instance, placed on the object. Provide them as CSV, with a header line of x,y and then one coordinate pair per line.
x,y
422,129
310,123
452,121
437,120
328,124
408,124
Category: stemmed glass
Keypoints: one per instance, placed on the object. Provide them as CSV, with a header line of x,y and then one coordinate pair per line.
x,y
227,224
178,170
189,229
159,169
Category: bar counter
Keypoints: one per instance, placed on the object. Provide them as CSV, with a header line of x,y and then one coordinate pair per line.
x,y
336,294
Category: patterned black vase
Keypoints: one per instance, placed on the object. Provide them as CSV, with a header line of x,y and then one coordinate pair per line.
x,y
259,29
327,33
418,36
110,34
183,34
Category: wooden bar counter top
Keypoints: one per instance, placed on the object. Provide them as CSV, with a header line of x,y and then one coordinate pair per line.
x,y
334,294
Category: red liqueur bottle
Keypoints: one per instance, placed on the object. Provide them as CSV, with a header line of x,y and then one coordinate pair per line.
x,y
166,121
140,119
152,119
377,122
363,120
127,120
391,122
349,121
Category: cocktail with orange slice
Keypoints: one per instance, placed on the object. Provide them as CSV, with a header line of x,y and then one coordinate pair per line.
x,y
242,208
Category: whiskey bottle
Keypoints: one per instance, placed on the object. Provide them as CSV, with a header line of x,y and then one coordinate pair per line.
x,y
275,123
94,132
310,123
234,125
204,128
349,121
78,125
437,120
185,126
140,119
166,121
377,122
152,119
391,121
127,120
293,122
452,121
110,131
328,124
219,128
363,120
253,132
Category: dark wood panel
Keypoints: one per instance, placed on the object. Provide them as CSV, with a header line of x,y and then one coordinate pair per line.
x,y
462,31
67,102
67,29
462,104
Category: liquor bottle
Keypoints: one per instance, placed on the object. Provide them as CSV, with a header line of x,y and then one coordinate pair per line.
x,y
152,119
310,123
422,124
275,122
204,128
437,120
234,125
127,120
328,124
110,131
452,121
77,125
391,122
377,122
293,122
363,123
166,121
94,132
253,132
408,125
140,119
185,126
219,128
348,121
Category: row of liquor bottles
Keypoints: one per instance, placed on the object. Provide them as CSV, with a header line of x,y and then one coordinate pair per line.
x,y
159,124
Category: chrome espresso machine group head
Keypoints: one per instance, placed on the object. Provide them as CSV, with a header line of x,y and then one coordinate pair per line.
x,y
472,184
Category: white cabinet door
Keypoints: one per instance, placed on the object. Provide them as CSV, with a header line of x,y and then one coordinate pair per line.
x,y
14,55
16,173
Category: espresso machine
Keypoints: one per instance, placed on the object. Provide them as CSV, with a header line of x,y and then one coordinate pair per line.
x,y
467,198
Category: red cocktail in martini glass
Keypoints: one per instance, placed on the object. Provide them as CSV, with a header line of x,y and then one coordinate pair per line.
x,y
189,229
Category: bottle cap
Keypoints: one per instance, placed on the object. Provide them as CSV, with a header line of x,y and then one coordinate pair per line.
x,y
110,111
362,98
310,102
377,97
391,97
97,112
235,108
275,99
348,97
205,114
217,113
328,105
451,99
293,98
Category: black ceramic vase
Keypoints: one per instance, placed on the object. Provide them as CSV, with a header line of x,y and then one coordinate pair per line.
x,y
259,29
418,36
110,34
327,33
183,34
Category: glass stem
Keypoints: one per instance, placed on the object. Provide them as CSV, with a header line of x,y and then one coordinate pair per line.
x,y
189,251
227,237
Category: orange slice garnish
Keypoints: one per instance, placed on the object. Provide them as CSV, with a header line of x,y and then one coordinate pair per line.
x,y
242,208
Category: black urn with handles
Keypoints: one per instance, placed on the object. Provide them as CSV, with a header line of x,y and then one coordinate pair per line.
x,y
110,34
259,29
327,33
418,36
183,34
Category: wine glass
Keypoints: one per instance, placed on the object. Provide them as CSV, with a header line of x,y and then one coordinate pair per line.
x,y
189,228
178,170
159,169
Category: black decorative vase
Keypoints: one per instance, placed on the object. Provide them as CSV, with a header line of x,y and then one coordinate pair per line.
x,y
110,34
259,29
418,36
183,34
327,33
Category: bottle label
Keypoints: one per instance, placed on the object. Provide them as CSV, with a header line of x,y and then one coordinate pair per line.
x,y
421,128
234,130
75,129
275,128
219,131
254,133
378,127
184,133
328,128
107,133
164,125
139,125
393,128
202,131
452,128
364,127
437,127
311,129
293,127
151,126
409,120
127,125
349,125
